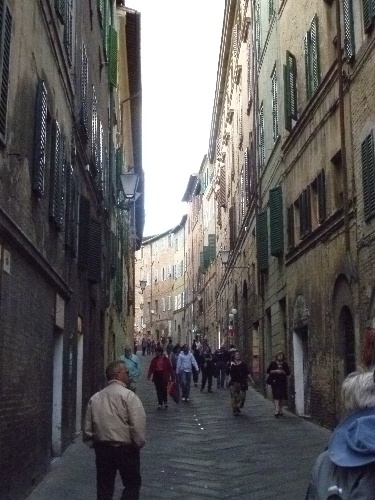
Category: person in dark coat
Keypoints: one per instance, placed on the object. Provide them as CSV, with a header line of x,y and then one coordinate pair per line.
x,y
239,377
208,370
278,372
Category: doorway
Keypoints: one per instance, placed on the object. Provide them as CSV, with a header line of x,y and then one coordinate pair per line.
x,y
57,393
300,355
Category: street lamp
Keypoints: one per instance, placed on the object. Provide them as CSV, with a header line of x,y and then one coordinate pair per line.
x,y
128,194
224,255
142,284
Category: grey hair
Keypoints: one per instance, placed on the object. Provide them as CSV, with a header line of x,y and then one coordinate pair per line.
x,y
113,368
358,391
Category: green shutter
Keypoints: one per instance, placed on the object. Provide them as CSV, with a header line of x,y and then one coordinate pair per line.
x,y
368,14
101,12
348,29
84,232
60,9
5,59
95,259
206,257
276,222
307,44
368,174
262,241
68,30
112,56
212,246
40,137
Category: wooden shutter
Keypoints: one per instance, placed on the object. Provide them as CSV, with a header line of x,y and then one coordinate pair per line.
x,y
94,135
40,138
368,176
275,124
262,158
222,192
56,166
262,241
321,188
6,28
206,257
368,9
290,87
68,30
60,9
290,227
247,177
232,226
84,92
84,232
71,212
112,56
212,246
348,29
305,212
270,9
95,258
315,60
307,43
276,222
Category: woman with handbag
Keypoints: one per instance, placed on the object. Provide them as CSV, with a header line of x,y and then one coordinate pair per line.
x,y
161,372
278,371
239,375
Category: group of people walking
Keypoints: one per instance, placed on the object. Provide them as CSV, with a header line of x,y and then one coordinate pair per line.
x,y
115,420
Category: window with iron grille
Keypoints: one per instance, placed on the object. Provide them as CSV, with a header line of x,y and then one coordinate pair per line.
x,y
368,176
5,40
312,64
275,118
290,88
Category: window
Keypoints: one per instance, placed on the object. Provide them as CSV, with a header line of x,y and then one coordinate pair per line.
x,y
368,176
290,226
57,184
84,92
271,9
349,45
368,8
311,43
257,29
156,306
276,222
94,135
262,241
262,158
5,34
169,303
275,120
40,139
290,88
163,304
304,207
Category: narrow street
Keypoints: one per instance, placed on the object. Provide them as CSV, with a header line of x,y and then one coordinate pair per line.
x,y
198,450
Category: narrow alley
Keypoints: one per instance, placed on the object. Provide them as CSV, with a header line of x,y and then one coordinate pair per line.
x,y
198,450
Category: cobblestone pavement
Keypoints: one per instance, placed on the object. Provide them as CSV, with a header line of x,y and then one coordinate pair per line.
x,y
198,450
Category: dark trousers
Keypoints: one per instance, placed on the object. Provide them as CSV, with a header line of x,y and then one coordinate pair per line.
x,y
221,376
206,377
109,460
195,374
161,385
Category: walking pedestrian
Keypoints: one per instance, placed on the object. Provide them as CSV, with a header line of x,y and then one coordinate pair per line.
x,y
148,346
185,363
346,469
144,345
239,375
221,358
161,372
169,348
133,365
278,371
115,426
208,371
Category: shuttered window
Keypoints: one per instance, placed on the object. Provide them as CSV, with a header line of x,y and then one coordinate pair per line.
x,y
368,8
290,87
262,158
94,135
257,29
84,233
347,6
71,212
276,222
321,188
262,241
95,257
271,9
60,9
68,30
112,56
222,192
312,65
275,118
40,139
212,247
368,176
57,184
304,205
84,92
6,29
290,227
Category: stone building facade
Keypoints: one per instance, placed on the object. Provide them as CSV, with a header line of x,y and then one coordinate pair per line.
x,y
58,191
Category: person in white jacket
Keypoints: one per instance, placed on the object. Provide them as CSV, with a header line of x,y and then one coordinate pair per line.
x,y
184,369
115,426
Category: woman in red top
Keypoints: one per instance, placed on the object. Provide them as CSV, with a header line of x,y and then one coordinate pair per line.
x,y
162,373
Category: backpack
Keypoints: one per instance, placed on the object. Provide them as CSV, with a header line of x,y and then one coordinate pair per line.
x,y
331,482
